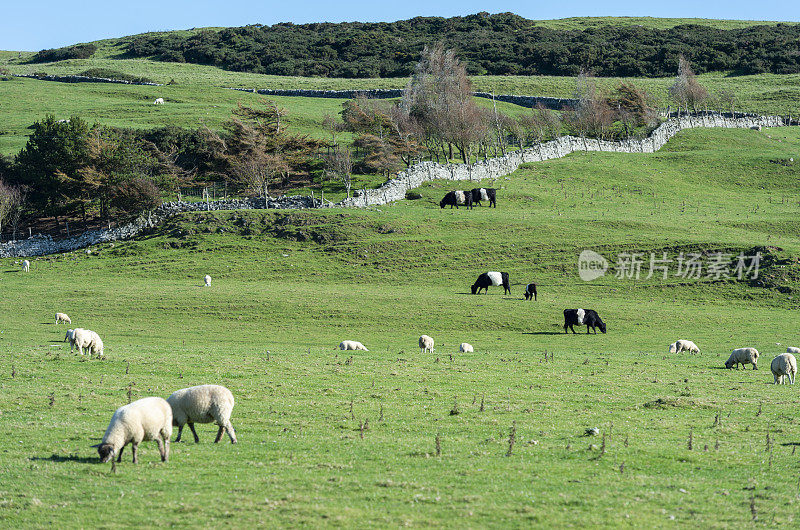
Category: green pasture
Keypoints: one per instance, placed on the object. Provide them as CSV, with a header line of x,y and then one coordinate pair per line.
x,y
683,441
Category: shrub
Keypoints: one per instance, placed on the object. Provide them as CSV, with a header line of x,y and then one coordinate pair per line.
x,y
77,51
136,195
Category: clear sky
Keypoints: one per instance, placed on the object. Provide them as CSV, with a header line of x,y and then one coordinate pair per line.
x,y
38,24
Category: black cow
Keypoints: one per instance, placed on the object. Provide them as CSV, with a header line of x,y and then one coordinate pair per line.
x,y
454,198
530,291
491,278
578,317
484,194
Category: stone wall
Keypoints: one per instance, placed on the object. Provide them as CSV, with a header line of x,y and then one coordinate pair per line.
x,y
84,79
395,188
388,93
41,245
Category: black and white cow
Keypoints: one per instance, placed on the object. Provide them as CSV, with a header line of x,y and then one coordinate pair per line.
x,y
491,278
530,291
579,317
454,198
484,194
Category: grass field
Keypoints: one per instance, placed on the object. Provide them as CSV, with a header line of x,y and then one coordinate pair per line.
x,y
289,286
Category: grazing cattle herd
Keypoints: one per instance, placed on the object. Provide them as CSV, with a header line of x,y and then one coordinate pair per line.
x,y
469,198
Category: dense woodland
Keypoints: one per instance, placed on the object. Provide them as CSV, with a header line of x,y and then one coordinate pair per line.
x,y
502,44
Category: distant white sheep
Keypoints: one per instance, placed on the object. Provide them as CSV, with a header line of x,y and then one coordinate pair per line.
x,y
147,419
158,101
425,344
783,365
792,349
26,266
207,280
62,317
203,404
465,348
683,345
352,345
85,338
743,356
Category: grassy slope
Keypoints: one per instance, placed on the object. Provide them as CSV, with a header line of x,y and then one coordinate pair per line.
x,y
296,283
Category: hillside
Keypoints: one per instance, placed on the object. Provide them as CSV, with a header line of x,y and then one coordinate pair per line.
x,y
392,436
499,44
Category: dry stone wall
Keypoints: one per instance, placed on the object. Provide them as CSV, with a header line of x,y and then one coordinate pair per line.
x,y
395,188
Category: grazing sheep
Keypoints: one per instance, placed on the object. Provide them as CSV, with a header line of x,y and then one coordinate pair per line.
x,y
26,266
85,338
146,419
207,280
683,345
743,356
484,194
352,345
158,101
492,278
530,291
579,317
783,365
466,348
454,198
203,404
62,317
792,349
425,344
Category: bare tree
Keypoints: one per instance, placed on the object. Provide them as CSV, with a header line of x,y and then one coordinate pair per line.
x,y
687,92
11,200
439,96
593,115
339,166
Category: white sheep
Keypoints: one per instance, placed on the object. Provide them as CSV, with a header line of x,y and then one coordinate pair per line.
x,y
783,365
465,348
743,356
203,404
158,101
62,317
683,345
425,344
352,345
85,338
147,419
792,349
26,266
207,279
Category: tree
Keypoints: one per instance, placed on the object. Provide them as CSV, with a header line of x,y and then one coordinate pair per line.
x,y
593,116
11,201
633,105
439,96
339,166
687,92
53,148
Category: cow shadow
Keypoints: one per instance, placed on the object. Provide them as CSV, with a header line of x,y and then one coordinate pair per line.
x,y
66,458
544,333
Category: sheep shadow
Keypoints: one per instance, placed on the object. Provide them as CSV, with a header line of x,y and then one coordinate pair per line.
x,y
790,444
13,270
66,458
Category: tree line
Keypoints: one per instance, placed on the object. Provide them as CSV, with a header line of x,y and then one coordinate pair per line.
x,y
500,44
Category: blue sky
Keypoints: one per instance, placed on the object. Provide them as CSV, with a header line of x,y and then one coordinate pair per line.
x,y
34,25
